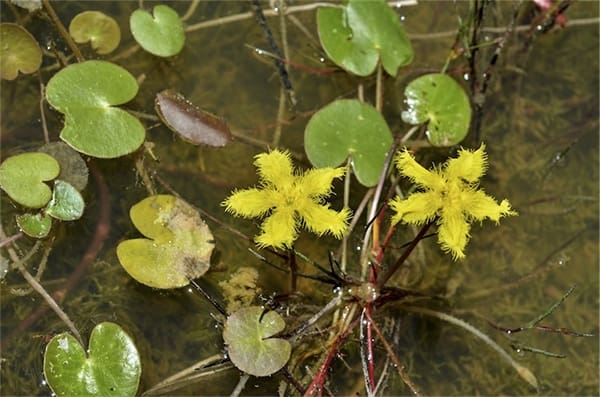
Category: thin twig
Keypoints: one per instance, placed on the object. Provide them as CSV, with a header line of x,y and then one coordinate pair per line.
x,y
62,30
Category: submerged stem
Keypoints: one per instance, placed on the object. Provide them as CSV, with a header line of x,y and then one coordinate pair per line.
x,y
523,371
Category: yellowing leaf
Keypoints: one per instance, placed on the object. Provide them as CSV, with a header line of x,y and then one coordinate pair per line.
x,y
178,246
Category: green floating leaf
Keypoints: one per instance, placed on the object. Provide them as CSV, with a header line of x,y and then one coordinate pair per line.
x,y
360,34
86,93
73,168
19,51
439,101
22,178
112,366
99,29
190,122
249,343
66,203
34,225
349,128
178,246
161,35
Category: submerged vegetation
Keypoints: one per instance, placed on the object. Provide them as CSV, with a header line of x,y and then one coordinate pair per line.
x,y
370,140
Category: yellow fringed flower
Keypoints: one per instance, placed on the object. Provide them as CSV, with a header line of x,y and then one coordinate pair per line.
x,y
451,196
289,198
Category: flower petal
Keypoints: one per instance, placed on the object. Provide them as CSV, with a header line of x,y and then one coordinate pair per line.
x,y
275,168
482,206
321,219
418,208
279,229
317,181
453,232
249,203
469,165
407,164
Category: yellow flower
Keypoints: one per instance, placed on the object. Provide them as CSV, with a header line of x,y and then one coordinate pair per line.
x,y
289,198
451,197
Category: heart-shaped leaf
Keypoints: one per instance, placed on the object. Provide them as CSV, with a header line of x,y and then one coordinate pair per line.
x,y
349,128
22,178
66,203
439,101
73,168
178,246
111,368
86,93
161,35
249,343
19,51
99,29
34,225
190,122
360,34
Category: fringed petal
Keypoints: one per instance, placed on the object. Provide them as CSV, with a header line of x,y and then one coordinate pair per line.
x,y
481,206
469,165
317,181
417,209
321,219
249,203
453,232
408,166
279,229
275,168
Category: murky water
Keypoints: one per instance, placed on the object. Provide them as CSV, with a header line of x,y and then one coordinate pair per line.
x,y
539,122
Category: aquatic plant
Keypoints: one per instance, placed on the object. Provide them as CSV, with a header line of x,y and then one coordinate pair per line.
x,y
362,305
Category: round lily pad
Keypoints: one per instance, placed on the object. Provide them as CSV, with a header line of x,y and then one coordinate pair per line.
x,y
73,168
349,128
248,334
178,246
22,178
66,203
99,29
111,366
360,34
86,93
19,51
439,101
161,34
190,122
34,225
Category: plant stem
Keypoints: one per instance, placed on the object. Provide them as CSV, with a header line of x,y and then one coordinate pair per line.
x,y
523,371
19,264
381,282
63,31
344,259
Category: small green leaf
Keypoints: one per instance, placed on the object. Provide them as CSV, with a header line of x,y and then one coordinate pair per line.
x,y
22,178
19,51
161,35
178,246
360,34
249,343
73,168
34,225
99,29
439,101
86,93
112,366
66,203
349,128
351,53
